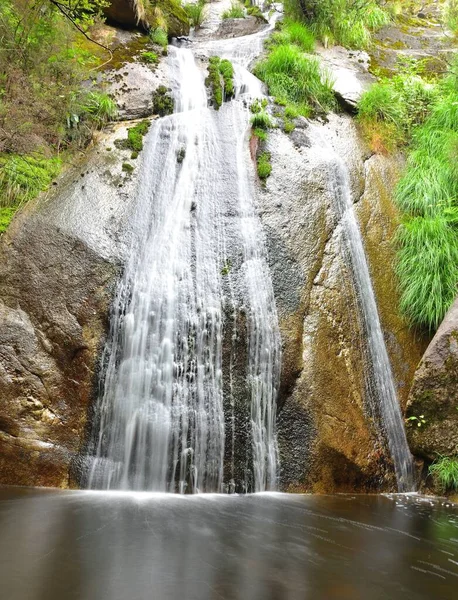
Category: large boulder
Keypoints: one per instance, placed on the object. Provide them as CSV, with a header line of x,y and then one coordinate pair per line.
x,y
141,13
434,394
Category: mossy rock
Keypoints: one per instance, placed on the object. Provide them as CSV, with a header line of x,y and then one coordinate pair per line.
x,y
141,13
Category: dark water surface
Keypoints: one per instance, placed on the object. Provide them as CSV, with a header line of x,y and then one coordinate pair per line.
x,y
57,545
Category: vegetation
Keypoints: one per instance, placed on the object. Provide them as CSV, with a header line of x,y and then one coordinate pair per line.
x,y
45,113
134,140
296,79
220,80
159,36
264,165
346,22
197,12
150,58
410,110
261,120
235,12
445,471
162,102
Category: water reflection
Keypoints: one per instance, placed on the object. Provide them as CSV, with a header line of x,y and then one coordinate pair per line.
x,y
121,546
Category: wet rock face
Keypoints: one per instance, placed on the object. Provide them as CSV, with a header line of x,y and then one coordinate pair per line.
x,y
231,28
59,263
327,438
433,394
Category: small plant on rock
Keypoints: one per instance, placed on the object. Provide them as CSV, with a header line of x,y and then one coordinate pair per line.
x,y
445,471
235,12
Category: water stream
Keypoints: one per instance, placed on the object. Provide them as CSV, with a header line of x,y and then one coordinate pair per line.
x,y
381,385
160,421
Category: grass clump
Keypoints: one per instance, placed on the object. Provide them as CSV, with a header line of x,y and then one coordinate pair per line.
x,y
427,267
197,12
261,120
427,194
293,32
264,166
100,107
220,80
159,36
235,12
22,178
149,57
296,79
346,22
445,472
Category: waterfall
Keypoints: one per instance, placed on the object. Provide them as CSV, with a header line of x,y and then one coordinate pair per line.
x,y
160,422
383,396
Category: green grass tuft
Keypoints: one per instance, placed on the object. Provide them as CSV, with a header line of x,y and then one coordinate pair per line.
x,y
427,268
264,165
261,120
197,12
296,79
445,471
235,12
159,36
100,107
150,58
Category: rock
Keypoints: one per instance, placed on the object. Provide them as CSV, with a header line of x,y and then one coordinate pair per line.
x,y
327,439
434,394
59,263
138,13
231,28
349,70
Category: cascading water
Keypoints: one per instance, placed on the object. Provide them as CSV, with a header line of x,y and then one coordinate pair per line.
x,y
160,423
382,396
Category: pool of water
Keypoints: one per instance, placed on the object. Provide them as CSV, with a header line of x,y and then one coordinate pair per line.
x,y
72,545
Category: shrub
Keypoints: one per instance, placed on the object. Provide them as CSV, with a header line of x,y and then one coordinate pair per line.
x,y
295,78
235,12
197,12
264,166
445,471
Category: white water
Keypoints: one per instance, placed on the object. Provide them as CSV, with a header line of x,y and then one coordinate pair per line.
x,y
161,425
382,393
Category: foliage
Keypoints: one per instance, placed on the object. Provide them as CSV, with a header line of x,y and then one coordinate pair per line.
x,y
418,421
451,15
197,12
159,36
254,11
261,134
162,102
293,32
261,120
264,165
150,58
235,12
427,194
100,107
220,80
445,471
296,79
136,134
347,22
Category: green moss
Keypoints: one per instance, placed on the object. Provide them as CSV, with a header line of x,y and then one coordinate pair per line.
x,y
162,102
261,134
134,140
150,58
220,80
127,167
169,15
288,126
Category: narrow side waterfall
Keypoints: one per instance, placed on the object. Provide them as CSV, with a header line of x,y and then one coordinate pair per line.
x,y
160,421
383,394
